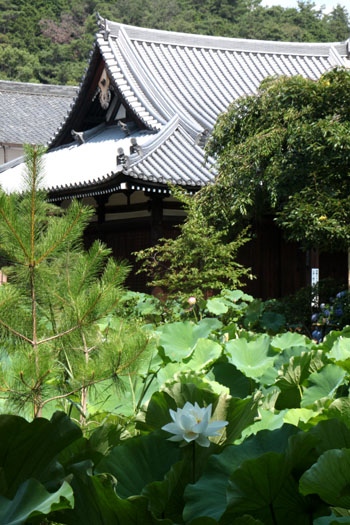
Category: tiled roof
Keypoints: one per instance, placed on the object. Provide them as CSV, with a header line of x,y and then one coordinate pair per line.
x,y
166,156
176,84
163,73
29,113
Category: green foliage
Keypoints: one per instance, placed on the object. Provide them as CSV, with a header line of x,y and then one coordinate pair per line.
x,y
49,41
282,458
55,297
197,262
286,151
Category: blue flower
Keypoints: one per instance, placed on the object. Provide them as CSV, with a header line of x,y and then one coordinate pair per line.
x,y
339,311
317,335
341,294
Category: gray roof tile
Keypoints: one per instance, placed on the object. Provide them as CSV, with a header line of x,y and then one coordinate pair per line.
x,y
30,113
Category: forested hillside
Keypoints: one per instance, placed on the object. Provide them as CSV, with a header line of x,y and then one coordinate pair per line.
x,y
49,41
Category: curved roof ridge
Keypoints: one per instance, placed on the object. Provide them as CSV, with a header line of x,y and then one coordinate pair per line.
x,y
335,58
162,102
190,167
156,141
226,43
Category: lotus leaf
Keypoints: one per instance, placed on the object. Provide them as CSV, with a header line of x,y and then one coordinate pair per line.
x,y
323,383
329,477
139,461
32,499
264,488
251,357
179,339
208,496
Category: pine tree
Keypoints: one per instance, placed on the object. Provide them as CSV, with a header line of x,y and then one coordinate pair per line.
x,y
55,296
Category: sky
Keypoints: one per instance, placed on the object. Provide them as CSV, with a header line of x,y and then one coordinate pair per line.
x,y
328,4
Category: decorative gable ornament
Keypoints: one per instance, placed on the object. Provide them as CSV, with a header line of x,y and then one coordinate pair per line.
x,y
104,90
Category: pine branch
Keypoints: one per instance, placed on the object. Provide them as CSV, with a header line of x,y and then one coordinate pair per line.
x,y
59,241
13,331
57,336
14,233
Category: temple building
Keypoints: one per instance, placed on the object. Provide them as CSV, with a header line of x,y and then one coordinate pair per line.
x,y
140,120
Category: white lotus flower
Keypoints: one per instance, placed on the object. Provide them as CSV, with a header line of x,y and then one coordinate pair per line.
x,y
191,423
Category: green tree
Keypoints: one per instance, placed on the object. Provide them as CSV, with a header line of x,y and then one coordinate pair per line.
x,y
56,296
339,23
286,151
200,261
53,38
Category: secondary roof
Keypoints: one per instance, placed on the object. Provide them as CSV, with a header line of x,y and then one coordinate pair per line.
x,y
30,113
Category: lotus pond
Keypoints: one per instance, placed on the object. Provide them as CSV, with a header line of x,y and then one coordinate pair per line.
x,y
258,419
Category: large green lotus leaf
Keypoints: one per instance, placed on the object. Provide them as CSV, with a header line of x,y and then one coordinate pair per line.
x,y
200,380
340,409
268,419
340,353
139,461
288,398
289,339
183,392
295,372
170,372
207,497
157,414
340,350
32,499
291,377
228,375
330,434
29,450
166,497
250,357
301,452
125,400
264,488
323,383
96,503
286,355
92,450
205,353
218,305
268,377
179,339
333,336
240,414
236,295
296,415
329,477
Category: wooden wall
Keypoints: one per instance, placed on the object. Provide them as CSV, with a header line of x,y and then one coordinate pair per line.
x,y
280,267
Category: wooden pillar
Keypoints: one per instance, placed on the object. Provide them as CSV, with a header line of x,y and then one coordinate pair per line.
x,y
156,205
101,208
